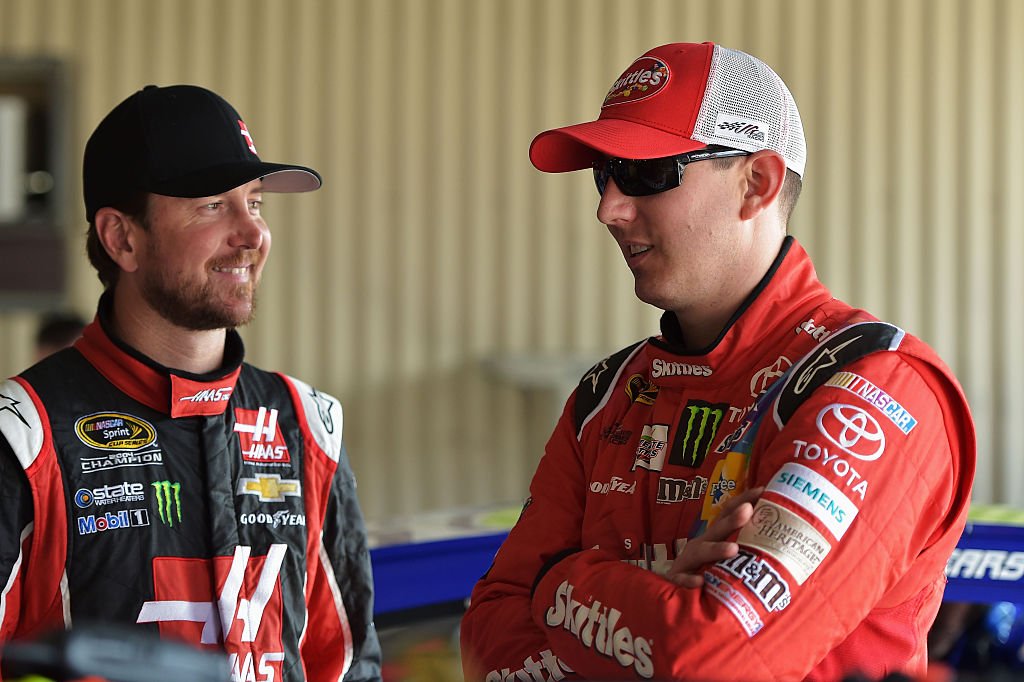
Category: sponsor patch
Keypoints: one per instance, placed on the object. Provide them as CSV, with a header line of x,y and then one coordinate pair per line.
x,y
859,386
616,435
770,588
168,501
259,438
119,520
672,490
269,487
815,331
741,129
855,431
110,494
766,376
698,426
114,431
650,451
786,537
816,494
734,600
596,627
640,390
644,78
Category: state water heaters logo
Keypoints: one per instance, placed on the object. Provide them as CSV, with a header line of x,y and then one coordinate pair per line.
x,y
260,439
644,78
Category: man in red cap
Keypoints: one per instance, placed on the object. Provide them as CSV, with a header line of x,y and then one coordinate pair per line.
x,y
767,490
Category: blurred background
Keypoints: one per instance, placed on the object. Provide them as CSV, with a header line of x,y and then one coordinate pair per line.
x,y
449,294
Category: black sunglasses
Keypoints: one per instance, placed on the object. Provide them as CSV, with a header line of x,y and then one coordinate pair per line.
x,y
642,177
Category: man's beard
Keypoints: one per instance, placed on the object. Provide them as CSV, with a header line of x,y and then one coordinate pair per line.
x,y
194,306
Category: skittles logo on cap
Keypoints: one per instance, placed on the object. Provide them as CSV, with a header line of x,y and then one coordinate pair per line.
x,y
644,78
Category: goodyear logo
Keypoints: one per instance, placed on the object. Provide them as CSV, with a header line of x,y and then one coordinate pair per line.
x,y
168,501
114,431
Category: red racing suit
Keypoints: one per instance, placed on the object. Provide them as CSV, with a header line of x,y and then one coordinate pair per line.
x,y
864,442
217,509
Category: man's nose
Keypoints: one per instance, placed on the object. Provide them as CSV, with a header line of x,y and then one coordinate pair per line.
x,y
248,231
615,207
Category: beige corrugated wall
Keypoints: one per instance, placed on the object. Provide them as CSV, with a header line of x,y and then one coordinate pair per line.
x,y
437,274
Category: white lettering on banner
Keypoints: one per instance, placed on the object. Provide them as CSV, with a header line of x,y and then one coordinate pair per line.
x,y
596,628
816,494
977,564
813,452
533,670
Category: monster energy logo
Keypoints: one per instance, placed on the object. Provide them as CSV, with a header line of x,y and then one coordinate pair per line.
x,y
168,501
699,424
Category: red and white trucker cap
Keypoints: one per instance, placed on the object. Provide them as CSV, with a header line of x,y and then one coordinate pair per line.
x,y
677,98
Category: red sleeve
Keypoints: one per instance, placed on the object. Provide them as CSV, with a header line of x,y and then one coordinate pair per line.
x,y
499,637
33,518
871,509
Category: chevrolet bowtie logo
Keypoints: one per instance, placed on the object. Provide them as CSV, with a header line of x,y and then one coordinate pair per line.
x,y
269,487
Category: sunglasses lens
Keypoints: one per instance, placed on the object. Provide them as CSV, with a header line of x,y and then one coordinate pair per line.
x,y
637,178
601,177
656,175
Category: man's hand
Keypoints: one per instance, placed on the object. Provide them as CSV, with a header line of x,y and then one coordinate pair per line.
x,y
713,545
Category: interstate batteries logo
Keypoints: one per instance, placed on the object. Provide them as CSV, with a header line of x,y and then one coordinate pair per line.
x,y
644,78
114,431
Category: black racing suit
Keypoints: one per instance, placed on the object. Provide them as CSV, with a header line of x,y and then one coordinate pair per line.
x,y
219,509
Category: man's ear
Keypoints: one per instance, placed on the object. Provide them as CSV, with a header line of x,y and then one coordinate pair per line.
x,y
119,236
765,172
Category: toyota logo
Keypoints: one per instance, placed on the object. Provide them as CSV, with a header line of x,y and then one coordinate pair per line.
x,y
855,431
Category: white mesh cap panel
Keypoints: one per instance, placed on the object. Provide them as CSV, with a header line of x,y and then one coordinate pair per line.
x,y
747,106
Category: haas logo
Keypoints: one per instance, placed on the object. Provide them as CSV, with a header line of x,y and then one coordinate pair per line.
x,y
261,441
245,617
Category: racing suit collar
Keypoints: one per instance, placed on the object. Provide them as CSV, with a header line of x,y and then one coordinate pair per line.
x,y
788,290
171,391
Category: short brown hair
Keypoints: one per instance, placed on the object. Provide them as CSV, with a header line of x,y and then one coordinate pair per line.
x,y
136,206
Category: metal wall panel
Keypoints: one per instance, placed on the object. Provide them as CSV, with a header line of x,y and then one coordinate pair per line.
x,y
449,293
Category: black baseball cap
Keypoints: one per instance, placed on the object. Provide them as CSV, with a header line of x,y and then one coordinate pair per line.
x,y
180,141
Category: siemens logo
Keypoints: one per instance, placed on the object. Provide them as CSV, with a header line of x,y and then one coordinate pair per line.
x,y
595,627
816,494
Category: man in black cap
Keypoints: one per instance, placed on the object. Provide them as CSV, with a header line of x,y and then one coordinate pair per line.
x,y
148,475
